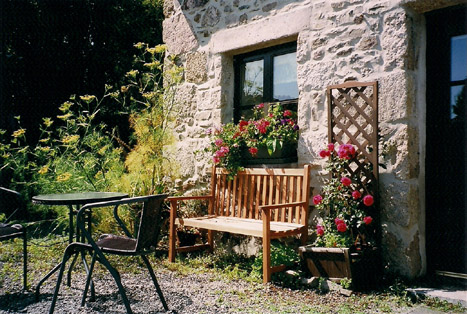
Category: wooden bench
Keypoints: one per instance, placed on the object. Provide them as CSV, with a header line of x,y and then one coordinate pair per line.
x,y
267,203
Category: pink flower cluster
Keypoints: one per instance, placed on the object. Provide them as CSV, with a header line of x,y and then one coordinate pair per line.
x,y
346,151
319,230
262,126
224,150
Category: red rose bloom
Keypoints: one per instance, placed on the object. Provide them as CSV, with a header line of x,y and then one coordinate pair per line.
x,y
216,159
317,199
323,153
253,151
330,147
287,113
368,200
342,227
356,195
367,220
338,221
242,124
346,181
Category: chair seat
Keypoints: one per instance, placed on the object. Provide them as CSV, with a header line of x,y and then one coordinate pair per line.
x,y
116,243
10,231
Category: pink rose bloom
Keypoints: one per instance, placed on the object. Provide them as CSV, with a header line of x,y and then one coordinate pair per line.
x,y
253,151
368,200
216,159
367,220
356,195
219,142
287,113
260,106
317,199
338,221
224,149
319,230
342,227
346,181
330,147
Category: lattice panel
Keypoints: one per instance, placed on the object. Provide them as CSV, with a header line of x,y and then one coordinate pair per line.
x,y
353,119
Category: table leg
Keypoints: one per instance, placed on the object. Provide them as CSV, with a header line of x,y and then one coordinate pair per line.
x,y
70,223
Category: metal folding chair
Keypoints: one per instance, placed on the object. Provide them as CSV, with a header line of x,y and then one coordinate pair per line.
x,y
143,244
10,204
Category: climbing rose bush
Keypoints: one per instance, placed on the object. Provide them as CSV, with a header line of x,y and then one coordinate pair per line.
x,y
343,205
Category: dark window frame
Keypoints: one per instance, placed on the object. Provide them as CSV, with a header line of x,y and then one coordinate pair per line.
x,y
266,54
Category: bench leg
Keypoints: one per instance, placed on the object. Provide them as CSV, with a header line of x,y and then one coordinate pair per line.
x,y
172,250
211,240
267,271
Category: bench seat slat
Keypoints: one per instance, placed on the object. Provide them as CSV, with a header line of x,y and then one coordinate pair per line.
x,y
252,227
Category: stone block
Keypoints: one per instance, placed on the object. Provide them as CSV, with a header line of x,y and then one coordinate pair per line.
x,y
195,71
393,93
211,17
178,35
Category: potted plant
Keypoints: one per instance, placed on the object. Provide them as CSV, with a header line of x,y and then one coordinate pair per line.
x,y
266,133
345,235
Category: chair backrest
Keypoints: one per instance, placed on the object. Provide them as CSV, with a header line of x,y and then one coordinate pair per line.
x,y
10,202
253,187
150,222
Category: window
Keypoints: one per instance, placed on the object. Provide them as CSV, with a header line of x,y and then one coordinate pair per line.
x,y
264,76
458,75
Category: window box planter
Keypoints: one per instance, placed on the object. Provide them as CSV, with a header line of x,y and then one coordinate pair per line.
x,y
286,154
362,267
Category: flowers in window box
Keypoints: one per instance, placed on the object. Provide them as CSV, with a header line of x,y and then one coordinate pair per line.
x,y
343,204
271,129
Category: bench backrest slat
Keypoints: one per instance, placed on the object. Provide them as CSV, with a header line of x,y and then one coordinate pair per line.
x,y
243,195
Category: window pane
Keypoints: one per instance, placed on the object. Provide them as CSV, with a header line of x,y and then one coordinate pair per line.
x,y
285,77
457,101
253,83
459,58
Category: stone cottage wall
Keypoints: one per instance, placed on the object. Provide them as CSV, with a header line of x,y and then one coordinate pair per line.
x,y
364,40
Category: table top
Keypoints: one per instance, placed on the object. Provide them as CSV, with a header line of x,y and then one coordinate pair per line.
x,y
79,198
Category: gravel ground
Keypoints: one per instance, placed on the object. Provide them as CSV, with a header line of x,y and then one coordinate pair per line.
x,y
192,293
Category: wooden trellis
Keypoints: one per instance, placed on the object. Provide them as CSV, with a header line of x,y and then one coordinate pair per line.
x,y
353,119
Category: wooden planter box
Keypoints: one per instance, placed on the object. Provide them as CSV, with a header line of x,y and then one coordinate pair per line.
x,y
363,268
287,154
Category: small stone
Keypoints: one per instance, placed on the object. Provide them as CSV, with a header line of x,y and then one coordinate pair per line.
x,y
291,273
211,17
269,7
310,282
243,18
358,19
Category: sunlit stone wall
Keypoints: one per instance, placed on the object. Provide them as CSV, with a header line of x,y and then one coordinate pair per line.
x,y
364,40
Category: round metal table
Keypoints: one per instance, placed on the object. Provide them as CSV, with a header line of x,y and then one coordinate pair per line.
x,y
74,199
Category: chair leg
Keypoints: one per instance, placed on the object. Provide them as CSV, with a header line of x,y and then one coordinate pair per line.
x,y
66,256
25,261
88,279
118,281
154,280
